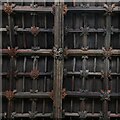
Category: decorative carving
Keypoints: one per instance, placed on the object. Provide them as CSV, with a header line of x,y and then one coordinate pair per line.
x,y
105,95
13,115
32,114
85,5
33,5
83,91
64,94
35,74
84,31
9,95
107,52
58,53
102,116
65,9
106,75
51,94
8,8
82,114
12,51
84,48
109,8
35,30
84,73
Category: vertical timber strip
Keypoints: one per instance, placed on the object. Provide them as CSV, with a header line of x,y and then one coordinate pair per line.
x,y
58,63
106,67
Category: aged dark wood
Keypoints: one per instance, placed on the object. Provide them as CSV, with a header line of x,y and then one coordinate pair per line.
x,y
60,60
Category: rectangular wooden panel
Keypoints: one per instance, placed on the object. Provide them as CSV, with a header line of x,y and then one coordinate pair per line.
x,y
61,60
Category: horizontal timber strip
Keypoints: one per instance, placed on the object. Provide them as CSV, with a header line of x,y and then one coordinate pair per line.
x,y
69,52
86,94
18,8
27,74
67,114
27,30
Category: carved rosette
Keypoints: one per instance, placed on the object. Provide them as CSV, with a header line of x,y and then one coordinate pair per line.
x,y
8,8
105,95
58,53
107,52
32,114
84,31
82,114
84,73
9,95
12,51
64,94
65,9
35,74
103,116
109,8
106,75
35,30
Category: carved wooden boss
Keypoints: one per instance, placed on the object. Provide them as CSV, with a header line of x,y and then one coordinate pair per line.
x,y
61,60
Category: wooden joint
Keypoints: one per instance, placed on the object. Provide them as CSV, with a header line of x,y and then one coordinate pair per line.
x,y
63,93
83,91
58,53
107,52
106,75
105,95
65,9
85,48
84,31
104,116
84,73
32,114
87,5
82,114
33,5
51,95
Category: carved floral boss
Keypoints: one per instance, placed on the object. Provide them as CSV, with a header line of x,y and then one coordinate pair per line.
x,y
8,8
9,95
64,94
109,8
12,51
35,30
35,74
